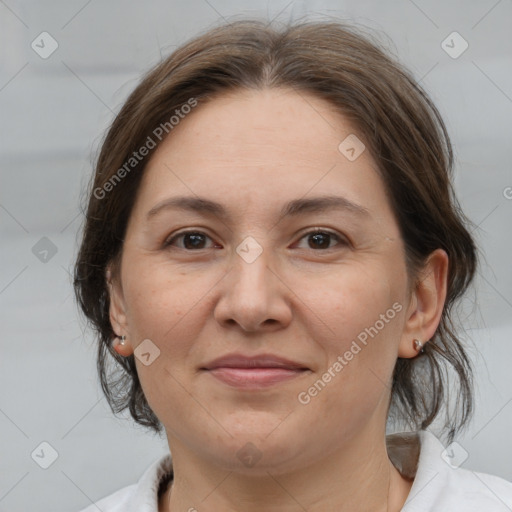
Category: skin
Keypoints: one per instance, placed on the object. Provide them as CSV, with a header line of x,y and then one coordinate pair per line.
x,y
253,151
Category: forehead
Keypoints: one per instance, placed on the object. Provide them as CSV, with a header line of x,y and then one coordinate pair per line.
x,y
261,147
291,120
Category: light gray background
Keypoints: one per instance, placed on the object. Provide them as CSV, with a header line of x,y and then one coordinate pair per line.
x,y
53,114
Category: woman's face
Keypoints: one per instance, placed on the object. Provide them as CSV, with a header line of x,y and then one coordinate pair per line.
x,y
257,280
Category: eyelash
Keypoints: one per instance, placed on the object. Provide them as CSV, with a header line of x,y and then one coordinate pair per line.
x,y
341,241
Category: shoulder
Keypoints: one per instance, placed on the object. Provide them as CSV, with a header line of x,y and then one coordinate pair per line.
x,y
469,491
139,497
441,484
115,502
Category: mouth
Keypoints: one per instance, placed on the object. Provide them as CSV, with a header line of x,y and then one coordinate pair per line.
x,y
255,372
254,377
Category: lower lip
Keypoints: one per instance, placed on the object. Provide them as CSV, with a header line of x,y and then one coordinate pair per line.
x,y
254,377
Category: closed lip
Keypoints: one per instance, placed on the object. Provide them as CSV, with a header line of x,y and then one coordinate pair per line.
x,y
258,361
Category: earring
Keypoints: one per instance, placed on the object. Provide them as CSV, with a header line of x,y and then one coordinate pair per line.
x,y
122,338
418,345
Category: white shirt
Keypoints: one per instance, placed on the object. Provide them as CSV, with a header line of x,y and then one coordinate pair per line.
x,y
439,486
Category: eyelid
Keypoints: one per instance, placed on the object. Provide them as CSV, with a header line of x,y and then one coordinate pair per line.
x,y
169,240
342,240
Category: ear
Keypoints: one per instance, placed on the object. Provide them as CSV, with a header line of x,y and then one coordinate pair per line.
x,y
426,304
117,311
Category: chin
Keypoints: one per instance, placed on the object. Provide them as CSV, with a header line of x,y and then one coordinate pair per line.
x,y
256,453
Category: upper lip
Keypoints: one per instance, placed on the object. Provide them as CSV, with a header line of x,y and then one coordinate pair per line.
x,y
258,361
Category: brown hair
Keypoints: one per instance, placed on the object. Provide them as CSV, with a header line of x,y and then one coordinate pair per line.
x,y
400,126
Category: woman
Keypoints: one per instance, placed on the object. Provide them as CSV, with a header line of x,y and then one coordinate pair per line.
x,y
271,253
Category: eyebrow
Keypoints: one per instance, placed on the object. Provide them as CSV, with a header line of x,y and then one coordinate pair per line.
x,y
293,208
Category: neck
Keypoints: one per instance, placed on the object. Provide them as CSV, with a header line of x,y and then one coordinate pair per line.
x,y
357,476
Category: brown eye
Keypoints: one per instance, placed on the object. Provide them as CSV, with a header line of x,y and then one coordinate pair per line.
x,y
192,240
321,239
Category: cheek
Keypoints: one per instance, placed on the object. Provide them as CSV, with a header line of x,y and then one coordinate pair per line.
x,y
362,315
353,299
159,297
164,308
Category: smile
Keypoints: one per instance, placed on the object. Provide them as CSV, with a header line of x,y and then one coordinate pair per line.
x,y
255,378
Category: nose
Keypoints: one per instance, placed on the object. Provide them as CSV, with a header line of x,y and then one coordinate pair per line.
x,y
253,296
